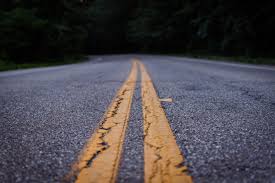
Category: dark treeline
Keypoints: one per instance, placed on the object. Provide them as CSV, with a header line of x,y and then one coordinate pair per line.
x,y
35,29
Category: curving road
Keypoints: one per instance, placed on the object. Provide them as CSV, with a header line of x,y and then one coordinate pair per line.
x,y
222,116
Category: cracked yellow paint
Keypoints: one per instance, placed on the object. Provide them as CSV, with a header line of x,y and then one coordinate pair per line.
x,y
163,161
99,161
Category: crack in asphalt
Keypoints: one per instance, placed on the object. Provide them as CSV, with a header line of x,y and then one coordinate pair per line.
x,y
159,141
103,131
156,149
103,145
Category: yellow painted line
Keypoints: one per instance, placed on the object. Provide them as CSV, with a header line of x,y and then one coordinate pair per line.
x,y
99,161
163,161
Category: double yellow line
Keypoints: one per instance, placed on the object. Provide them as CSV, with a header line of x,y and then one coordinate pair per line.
x,y
163,161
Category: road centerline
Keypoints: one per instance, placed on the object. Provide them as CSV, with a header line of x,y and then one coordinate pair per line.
x,y
99,160
163,161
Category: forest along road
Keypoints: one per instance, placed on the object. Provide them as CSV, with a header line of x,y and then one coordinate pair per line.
x,y
138,118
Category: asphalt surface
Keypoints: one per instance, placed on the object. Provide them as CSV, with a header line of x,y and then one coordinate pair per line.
x,y
222,115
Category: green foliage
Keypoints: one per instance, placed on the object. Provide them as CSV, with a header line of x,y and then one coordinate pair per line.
x,y
109,19
216,26
30,30
20,29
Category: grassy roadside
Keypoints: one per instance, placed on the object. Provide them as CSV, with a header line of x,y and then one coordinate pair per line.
x,y
237,59
8,65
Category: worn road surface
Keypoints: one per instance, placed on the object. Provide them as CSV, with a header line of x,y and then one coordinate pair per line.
x,y
221,117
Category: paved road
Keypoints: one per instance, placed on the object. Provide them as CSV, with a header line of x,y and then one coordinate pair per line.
x,y
222,116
